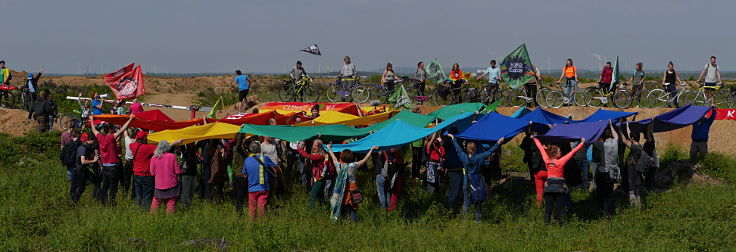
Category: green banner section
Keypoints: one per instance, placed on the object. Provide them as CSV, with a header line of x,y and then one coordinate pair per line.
x,y
517,68
615,77
434,71
400,99
452,110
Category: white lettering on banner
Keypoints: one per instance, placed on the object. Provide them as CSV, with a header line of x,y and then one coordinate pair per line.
x,y
234,117
516,67
730,113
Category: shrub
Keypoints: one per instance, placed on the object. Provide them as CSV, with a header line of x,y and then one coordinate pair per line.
x,y
720,166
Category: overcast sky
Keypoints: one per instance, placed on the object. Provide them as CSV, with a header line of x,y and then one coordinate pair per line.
x,y
266,35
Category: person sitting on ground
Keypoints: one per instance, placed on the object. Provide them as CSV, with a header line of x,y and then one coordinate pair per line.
x,y
165,170
555,190
474,186
346,196
255,168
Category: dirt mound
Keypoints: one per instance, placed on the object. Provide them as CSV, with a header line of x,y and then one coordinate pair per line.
x,y
13,122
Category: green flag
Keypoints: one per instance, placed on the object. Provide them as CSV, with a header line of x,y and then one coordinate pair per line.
x,y
434,71
615,77
492,107
400,99
517,68
213,112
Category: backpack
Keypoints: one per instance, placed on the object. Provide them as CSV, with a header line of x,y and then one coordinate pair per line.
x,y
69,153
644,163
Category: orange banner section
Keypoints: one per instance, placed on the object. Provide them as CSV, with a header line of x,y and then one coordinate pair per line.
x,y
348,108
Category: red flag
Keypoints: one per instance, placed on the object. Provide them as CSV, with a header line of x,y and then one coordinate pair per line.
x,y
127,82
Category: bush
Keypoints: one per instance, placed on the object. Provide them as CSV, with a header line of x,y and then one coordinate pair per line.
x,y
720,166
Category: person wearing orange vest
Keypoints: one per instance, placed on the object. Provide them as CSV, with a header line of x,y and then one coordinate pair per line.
x,y
456,76
570,73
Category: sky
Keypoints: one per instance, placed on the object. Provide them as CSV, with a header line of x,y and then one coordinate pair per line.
x,y
191,36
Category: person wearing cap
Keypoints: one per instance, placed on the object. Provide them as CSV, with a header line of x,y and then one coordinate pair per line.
x,y
111,165
142,179
297,73
243,83
32,84
84,158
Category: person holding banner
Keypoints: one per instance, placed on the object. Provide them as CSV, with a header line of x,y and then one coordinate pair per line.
x,y
570,73
670,80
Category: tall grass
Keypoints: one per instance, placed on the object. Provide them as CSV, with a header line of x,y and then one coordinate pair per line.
x,y
36,215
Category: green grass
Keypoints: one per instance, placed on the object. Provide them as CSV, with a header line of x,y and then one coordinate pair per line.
x,y
36,215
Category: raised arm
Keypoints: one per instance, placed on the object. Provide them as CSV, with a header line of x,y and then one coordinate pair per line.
x,y
626,139
92,123
541,148
492,149
614,133
569,155
125,126
332,154
459,150
367,155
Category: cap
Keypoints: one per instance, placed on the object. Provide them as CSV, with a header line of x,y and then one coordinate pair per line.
x,y
84,137
299,62
30,76
141,134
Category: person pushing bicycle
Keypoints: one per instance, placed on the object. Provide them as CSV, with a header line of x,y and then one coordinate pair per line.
x,y
712,74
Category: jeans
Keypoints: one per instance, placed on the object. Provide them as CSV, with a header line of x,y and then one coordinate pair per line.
x,y
96,178
51,123
383,194
432,176
672,91
204,186
698,150
352,212
241,189
79,182
110,180
143,190
456,188
478,210
556,200
187,189
604,191
585,170
570,85
329,184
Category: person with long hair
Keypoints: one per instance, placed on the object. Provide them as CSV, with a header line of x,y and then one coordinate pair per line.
x,y
570,73
165,170
348,69
389,77
421,77
346,196
474,186
670,80
637,81
317,163
555,190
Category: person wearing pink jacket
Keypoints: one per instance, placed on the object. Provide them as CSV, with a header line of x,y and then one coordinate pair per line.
x,y
165,169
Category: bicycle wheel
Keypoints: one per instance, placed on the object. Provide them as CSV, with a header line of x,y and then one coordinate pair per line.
x,y
657,98
554,99
579,96
285,93
516,98
594,98
12,101
622,99
334,93
723,99
542,97
310,94
360,94
699,99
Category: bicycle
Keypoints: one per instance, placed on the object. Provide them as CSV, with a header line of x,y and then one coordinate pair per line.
x,y
556,98
445,94
348,89
301,90
413,90
626,98
518,97
26,98
720,98
595,97
658,98
12,99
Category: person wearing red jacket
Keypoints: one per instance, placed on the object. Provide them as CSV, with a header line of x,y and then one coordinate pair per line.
x,y
317,162
554,188
604,81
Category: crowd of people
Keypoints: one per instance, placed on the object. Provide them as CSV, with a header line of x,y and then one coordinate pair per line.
x,y
261,167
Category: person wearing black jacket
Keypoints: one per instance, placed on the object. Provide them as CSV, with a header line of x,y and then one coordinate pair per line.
x,y
42,109
190,159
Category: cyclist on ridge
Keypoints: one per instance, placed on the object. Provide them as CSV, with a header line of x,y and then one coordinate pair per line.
x,y
712,74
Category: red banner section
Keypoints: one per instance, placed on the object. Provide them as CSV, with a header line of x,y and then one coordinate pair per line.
x,y
157,121
126,82
725,114
348,108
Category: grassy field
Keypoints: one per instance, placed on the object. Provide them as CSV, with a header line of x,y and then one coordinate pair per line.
x,y
36,215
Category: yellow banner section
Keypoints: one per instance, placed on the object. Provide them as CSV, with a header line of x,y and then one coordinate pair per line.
x,y
192,134
332,118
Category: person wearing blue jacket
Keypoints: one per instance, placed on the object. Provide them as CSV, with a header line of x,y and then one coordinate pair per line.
x,y
474,186
701,129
